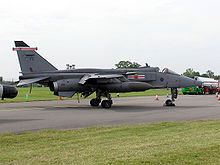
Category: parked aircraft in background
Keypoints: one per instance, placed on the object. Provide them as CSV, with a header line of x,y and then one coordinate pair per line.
x,y
65,83
7,91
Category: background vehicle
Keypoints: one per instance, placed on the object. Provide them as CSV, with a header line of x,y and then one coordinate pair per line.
x,y
193,90
209,86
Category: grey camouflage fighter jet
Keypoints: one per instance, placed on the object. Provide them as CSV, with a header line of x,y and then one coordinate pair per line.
x,y
66,83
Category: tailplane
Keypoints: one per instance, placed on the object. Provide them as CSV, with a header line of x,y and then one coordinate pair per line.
x,y
30,61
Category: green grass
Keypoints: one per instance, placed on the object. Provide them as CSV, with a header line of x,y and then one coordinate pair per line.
x,y
195,142
39,94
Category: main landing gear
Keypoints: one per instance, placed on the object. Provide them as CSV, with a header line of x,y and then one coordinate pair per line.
x,y
105,103
95,102
174,94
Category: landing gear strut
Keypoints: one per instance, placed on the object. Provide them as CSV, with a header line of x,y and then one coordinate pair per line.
x,y
105,103
174,94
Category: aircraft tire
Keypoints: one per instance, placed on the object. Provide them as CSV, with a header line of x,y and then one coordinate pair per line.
x,y
106,104
95,102
169,103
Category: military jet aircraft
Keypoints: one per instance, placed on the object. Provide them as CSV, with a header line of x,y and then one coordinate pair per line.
x,y
7,91
66,83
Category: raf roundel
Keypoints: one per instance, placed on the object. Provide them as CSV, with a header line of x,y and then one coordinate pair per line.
x,y
161,79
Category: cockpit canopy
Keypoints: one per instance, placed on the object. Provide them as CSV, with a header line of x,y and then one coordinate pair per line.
x,y
168,71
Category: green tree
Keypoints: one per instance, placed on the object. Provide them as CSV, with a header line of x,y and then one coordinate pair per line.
x,y
210,74
127,64
196,73
204,75
217,77
191,73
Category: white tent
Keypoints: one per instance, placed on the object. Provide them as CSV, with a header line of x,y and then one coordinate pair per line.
x,y
208,81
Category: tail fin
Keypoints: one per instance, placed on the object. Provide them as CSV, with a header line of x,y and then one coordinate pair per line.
x,y
30,61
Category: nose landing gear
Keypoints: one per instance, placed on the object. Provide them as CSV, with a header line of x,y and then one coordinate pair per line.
x,y
169,102
174,94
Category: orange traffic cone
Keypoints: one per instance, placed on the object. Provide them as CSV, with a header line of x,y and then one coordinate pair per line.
x,y
216,94
60,98
157,97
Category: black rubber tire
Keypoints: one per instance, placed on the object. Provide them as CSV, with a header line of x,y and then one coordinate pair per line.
x,y
169,103
95,102
106,104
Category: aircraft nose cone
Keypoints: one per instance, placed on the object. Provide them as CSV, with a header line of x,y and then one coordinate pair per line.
x,y
189,82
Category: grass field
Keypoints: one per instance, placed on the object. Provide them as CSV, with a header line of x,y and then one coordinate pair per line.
x,y
39,94
195,142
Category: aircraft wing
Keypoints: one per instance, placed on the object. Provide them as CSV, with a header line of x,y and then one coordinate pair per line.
x,y
89,77
31,81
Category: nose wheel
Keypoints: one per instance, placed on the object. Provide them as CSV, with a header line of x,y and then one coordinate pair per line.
x,y
174,93
169,103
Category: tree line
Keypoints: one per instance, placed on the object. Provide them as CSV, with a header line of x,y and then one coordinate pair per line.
x,y
6,82
209,74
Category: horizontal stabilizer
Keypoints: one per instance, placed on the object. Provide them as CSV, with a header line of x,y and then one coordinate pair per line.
x,y
31,81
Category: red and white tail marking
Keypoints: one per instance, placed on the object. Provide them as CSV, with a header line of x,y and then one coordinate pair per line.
x,y
24,49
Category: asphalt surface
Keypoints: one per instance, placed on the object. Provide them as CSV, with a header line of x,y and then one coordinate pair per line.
x,y
68,114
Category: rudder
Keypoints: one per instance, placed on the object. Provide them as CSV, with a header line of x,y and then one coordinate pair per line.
x,y
30,61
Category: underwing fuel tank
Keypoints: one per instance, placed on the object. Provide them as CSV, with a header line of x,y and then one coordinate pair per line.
x,y
7,91
128,87
73,85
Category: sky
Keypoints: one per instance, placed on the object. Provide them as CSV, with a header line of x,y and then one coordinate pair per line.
x,y
177,34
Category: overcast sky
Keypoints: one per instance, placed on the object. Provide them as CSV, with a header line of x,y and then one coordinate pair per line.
x,y
177,34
